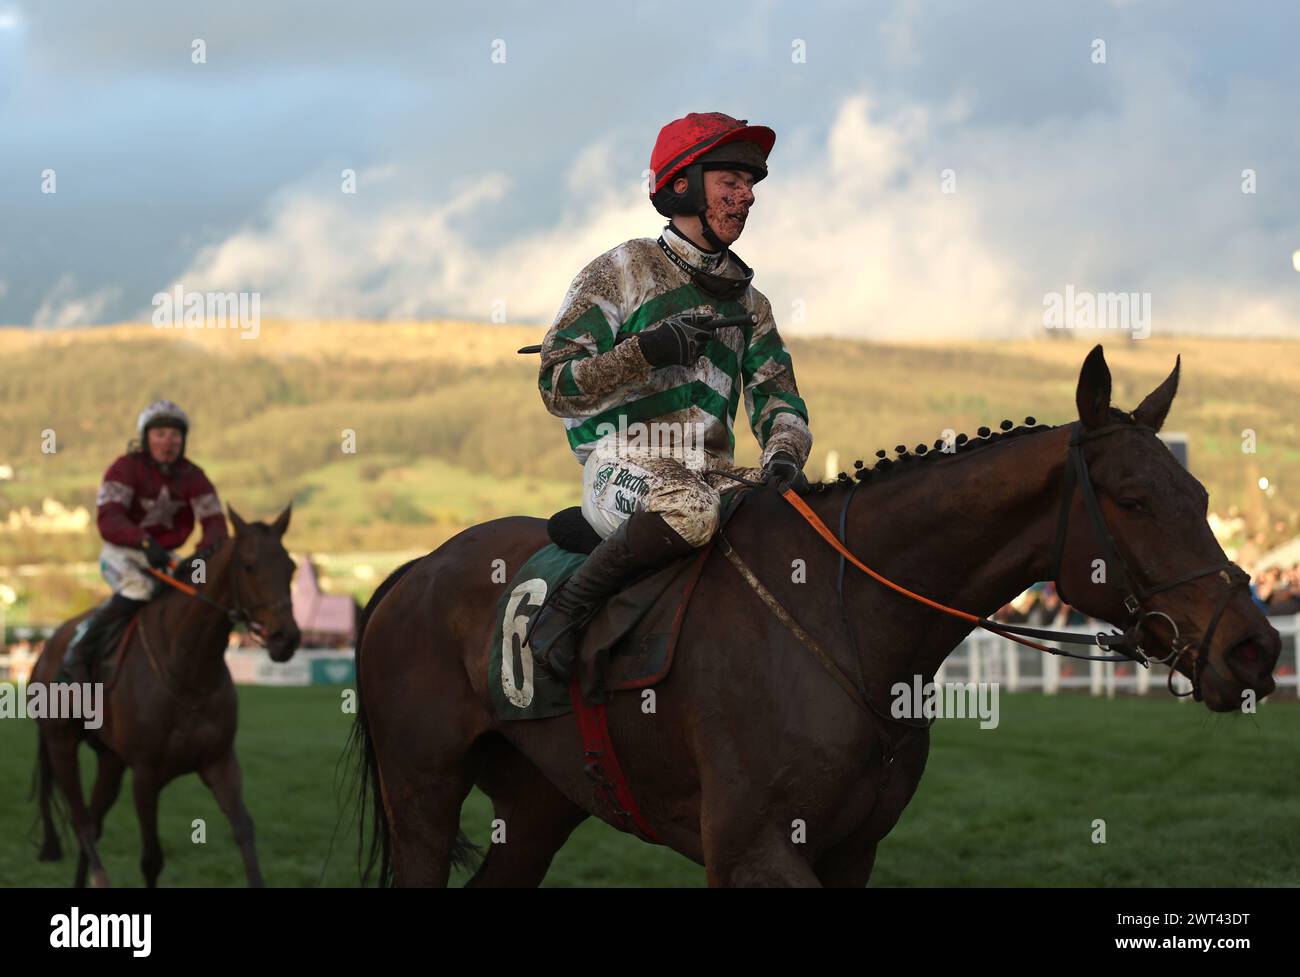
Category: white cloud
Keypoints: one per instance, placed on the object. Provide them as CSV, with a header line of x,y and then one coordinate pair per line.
x,y
61,306
856,229
339,256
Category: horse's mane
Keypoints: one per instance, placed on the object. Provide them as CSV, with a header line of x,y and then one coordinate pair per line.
x,y
906,460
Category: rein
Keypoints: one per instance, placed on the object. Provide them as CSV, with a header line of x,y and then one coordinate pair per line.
x,y
237,615
1126,643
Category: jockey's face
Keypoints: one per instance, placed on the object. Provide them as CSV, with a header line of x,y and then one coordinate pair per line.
x,y
728,195
165,444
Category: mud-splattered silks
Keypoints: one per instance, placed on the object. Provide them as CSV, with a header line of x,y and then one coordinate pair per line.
x,y
593,373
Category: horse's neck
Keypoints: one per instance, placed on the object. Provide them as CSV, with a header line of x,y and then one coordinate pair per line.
x,y
196,633
973,539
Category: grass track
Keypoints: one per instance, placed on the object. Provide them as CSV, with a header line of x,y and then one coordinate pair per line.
x,y
1188,798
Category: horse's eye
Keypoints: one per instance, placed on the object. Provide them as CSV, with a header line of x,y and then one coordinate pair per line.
x,y
1128,502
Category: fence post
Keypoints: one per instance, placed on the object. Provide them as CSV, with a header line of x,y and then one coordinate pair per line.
x,y
1013,666
1051,674
1094,678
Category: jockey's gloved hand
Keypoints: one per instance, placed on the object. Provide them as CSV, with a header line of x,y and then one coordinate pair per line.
x,y
678,340
158,557
782,471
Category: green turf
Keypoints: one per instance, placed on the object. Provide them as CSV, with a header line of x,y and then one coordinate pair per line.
x,y
1188,799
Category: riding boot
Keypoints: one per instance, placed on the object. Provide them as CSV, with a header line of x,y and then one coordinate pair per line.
x,y
84,647
641,542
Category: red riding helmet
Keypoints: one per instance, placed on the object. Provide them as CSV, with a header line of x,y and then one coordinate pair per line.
x,y
704,141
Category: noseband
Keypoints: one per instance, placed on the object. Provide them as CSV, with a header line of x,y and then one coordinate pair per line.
x,y
1137,594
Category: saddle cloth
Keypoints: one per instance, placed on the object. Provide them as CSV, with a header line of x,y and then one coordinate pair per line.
x,y
628,644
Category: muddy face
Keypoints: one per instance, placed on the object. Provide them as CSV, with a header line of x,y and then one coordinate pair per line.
x,y
728,196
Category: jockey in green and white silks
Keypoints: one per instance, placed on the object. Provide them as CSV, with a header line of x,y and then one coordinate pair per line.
x,y
629,289
648,394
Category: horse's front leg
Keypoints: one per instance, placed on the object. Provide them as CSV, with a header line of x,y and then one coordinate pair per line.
x,y
848,865
226,783
746,848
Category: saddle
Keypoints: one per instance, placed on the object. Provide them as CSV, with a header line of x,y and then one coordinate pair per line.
x,y
628,643
106,656
569,530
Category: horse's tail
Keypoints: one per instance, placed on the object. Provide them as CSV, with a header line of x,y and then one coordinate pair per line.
x,y
48,799
375,853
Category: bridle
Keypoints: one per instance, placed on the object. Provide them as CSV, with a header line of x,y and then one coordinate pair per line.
x,y
1137,594
240,613
1126,644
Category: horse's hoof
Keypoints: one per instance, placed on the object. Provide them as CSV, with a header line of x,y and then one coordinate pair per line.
x,y
99,880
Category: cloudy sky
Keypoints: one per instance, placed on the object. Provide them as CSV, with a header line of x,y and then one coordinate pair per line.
x,y
499,147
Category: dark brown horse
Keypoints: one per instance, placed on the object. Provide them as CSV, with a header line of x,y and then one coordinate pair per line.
x,y
169,705
754,764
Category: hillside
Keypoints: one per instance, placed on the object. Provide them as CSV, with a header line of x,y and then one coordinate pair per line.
x,y
450,430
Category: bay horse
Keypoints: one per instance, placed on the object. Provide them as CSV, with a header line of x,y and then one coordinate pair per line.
x,y
753,763
169,704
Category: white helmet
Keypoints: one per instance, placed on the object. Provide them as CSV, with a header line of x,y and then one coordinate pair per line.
x,y
162,413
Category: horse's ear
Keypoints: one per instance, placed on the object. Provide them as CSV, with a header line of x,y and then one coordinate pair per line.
x,y
1093,394
1153,411
235,521
282,521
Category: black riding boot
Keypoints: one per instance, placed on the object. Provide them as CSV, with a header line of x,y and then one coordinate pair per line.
x,y
84,646
641,542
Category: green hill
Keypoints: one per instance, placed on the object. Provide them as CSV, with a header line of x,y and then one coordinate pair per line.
x,y
450,430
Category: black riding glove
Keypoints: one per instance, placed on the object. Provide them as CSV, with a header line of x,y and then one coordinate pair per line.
x,y
781,472
158,557
678,340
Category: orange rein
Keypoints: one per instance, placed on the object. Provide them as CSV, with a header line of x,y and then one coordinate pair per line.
x,y
812,519
171,581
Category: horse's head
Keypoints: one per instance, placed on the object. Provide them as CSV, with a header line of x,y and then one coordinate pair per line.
x,y
261,570
1161,572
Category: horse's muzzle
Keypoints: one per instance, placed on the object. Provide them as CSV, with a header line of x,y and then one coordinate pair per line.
x,y
281,645
1252,659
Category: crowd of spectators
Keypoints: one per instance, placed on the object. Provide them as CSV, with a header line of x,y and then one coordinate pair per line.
x,y
1275,588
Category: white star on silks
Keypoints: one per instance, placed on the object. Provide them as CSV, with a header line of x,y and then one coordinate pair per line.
x,y
159,511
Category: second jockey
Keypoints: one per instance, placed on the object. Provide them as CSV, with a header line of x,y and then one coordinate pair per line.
x,y
148,503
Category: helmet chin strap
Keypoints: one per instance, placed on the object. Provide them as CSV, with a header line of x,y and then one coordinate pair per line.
x,y
707,231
